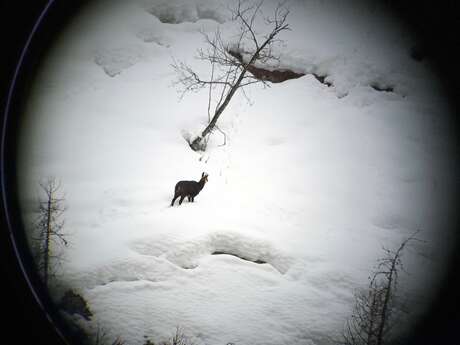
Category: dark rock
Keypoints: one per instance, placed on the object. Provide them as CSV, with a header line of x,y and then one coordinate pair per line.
x,y
73,303
260,262
381,88
322,79
418,52
274,76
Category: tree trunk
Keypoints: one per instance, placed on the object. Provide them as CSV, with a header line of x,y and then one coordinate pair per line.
x,y
384,311
47,240
383,319
370,330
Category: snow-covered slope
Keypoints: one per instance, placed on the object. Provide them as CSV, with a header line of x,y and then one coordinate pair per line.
x,y
312,182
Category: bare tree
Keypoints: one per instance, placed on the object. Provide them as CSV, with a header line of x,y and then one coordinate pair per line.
x,y
179,338
50,227
230,62
101,338
374,314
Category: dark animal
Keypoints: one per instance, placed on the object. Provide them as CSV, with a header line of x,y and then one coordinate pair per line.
x,y
189,189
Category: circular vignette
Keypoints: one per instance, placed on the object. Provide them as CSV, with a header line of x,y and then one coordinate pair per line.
x,y
4,179
31,315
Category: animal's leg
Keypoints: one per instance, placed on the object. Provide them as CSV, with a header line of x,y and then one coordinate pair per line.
x,y
174,199
181,199
189,198
193,198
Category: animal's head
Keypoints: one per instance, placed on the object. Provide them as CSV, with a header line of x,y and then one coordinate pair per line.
x,y
204,177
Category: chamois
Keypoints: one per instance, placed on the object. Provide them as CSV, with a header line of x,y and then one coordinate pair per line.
x,y
189,189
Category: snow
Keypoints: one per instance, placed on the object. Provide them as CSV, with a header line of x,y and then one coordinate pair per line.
x,y
178,11
313,180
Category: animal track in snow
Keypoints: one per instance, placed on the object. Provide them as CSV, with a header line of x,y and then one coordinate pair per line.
x,y
116,60
187,254
130,269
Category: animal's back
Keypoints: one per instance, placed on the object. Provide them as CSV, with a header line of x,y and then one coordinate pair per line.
x,y
183,184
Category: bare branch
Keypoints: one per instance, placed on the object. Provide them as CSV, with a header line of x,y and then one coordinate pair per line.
x,y
247,19
228,67
210,87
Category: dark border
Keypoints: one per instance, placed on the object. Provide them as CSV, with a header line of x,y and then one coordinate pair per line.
x,y
438,26
29,29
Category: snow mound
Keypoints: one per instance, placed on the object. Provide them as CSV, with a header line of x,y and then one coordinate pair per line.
x,y
189,253
393,221
139,268
114,61
175,12
345,74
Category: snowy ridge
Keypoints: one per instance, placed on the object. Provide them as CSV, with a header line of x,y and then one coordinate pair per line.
x,y
188,254
176,11
126,270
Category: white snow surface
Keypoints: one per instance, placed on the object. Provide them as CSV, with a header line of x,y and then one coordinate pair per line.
x,y
312,182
